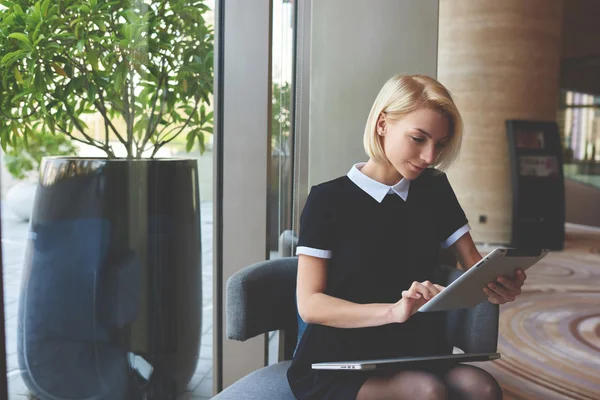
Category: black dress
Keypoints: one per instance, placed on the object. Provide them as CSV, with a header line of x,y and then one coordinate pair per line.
x,y
378,250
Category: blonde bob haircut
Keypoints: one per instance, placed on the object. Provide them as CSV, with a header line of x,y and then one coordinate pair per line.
x,y
403,94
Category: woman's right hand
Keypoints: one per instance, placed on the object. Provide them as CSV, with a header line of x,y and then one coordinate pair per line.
x,y
412,299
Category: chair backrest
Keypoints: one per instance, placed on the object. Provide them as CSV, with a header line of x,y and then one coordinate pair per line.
x,y
262,298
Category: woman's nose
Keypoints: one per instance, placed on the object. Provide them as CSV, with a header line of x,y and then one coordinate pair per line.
x,y
428,155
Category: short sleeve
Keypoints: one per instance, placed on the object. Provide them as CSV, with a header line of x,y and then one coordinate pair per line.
x,y
316,224
452,222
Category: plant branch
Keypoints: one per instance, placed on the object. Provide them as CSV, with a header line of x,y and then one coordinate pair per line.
x,y
162,136
106,134
131,123
162,143
80,129
107,122
109,152
151,126
9,117
102,108
187,121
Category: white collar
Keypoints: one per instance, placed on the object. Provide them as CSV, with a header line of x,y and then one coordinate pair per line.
x,y
377,190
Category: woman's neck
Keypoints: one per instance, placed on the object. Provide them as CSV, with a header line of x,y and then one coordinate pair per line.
x,y
386,174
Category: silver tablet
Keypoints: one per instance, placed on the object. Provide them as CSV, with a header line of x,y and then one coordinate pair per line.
x,y
467,290
405,362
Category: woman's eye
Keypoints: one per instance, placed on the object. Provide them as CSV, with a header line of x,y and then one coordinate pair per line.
x,y
418,139
440,145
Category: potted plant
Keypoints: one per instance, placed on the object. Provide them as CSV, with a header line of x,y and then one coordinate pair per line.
x,y
23,164
110,306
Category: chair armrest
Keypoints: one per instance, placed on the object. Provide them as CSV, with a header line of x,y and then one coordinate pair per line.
x,y
473,330
261,298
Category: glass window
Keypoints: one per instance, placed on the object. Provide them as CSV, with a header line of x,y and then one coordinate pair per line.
x,y
579,120
107,245
280,199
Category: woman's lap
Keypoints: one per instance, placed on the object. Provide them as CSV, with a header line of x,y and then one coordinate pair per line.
x,y
338,385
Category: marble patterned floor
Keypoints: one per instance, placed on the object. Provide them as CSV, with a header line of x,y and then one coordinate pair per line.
x,y
550,336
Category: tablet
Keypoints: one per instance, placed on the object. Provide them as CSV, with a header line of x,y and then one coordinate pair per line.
x,y
467,290
405,362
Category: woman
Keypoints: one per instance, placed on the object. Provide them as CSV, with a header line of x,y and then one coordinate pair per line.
x,y
368,252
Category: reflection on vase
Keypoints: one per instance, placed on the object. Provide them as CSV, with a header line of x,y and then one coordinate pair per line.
x,y
110,304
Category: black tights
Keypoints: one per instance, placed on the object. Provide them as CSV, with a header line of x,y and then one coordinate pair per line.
x,y
460,382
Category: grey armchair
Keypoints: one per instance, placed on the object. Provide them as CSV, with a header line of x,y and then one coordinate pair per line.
x,y
261,298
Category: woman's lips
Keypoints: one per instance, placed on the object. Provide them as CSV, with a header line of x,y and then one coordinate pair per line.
x,y
418,169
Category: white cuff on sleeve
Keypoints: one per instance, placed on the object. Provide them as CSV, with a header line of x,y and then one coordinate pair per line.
x,y
455,236
309,251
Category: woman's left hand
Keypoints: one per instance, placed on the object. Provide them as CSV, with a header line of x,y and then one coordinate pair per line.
x,y
507,290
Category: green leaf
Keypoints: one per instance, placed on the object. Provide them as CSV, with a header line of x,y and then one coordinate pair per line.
x,y
59,70
190,142
201,142
4,139
91,91
36,32
13,138
93,58
51,125
25,46
21,37
37,12
25,140
38,40
21,95
45,6
82,124
52,11
100,23
13,56
38,81
18,76
53,45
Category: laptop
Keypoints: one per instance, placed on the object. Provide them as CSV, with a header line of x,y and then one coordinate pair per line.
x,y
406,362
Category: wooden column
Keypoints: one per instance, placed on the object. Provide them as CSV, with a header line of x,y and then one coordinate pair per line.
x,y
500,60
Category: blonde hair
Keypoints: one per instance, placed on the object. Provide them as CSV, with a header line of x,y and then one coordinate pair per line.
x,y
403,94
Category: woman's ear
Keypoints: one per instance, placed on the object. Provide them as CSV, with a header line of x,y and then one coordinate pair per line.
x,y
381,125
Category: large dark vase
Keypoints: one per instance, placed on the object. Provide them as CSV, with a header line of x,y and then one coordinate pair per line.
x,y
110,305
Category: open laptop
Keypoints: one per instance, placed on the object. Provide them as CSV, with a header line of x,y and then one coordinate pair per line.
x,y
406,362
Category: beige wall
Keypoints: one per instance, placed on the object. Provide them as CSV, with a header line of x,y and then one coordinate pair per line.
x,y
356,46
501,61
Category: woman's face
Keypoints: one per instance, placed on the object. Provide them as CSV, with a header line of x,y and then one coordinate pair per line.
x,y
413,143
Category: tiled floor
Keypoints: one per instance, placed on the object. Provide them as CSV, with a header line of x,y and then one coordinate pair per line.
x,y
14,234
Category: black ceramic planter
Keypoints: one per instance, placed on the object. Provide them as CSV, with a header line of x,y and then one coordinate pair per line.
x,y
111,296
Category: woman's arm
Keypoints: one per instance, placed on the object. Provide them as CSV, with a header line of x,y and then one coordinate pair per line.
x,y
508,289
466,251
316,307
